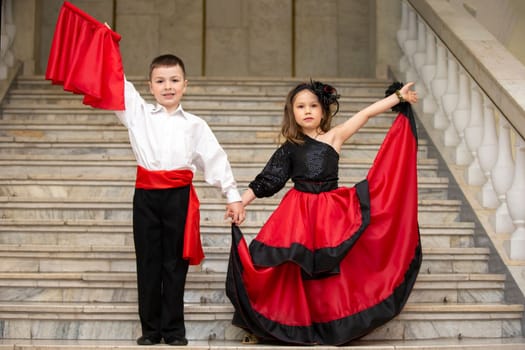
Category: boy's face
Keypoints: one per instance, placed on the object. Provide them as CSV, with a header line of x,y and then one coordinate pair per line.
x,y
168,85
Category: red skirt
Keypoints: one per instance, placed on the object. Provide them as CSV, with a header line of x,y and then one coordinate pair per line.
x,y
329,268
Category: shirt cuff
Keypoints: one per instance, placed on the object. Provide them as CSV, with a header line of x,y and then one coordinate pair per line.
x,y
233,195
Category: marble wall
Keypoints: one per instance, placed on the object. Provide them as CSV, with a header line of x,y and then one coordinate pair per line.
x,y
304,38
248,38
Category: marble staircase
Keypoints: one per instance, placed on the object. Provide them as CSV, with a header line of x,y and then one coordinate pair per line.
x,y
67,276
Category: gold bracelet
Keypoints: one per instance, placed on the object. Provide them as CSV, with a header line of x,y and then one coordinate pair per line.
x,y
399,96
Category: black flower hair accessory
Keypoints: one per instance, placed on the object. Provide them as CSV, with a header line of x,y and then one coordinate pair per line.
x,y
392,89
326,94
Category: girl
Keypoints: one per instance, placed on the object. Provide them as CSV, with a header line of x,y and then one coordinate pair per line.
x,y
331,263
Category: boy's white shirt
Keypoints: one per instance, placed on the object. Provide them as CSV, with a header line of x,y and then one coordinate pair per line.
x,y
176,141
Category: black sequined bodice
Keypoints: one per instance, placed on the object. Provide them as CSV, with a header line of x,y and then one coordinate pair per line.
x,y
312,162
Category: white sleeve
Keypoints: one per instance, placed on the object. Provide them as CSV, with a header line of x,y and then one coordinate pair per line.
x,y
134,104
212,160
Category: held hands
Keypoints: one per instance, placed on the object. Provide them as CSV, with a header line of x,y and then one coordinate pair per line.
x,y
407,95
236,212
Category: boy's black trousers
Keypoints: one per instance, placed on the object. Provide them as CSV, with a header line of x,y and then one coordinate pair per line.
x,y
159,217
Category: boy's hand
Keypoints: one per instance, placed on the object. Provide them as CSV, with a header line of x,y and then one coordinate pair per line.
x,y
236,212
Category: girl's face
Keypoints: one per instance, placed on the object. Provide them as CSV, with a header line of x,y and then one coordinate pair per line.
x,y
307,111
168,85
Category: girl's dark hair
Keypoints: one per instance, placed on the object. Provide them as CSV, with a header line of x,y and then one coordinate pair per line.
x,y
327,96
167,60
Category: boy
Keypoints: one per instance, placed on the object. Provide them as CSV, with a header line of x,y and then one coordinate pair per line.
x,y
170,144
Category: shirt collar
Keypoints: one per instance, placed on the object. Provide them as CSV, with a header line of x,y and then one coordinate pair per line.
x,y
161,109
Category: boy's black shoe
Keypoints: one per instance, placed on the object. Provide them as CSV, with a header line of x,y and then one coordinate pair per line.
x,y
177,342
147,341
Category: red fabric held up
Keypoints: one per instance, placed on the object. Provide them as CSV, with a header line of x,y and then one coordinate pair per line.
x,y
85,58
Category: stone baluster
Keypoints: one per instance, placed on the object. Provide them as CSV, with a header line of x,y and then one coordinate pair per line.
x,y
420,59
410,46
7,35
429,68
488,154
421,51
473,137
449,101
516,202
502,176
402,35
460,118
428,71
439,82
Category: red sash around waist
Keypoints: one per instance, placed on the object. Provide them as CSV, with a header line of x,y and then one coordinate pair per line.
x,y
163,179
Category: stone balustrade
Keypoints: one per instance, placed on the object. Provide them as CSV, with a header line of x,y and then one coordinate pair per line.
x,y
480,138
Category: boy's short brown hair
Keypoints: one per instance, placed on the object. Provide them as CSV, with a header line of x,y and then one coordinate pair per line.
x,y
167,60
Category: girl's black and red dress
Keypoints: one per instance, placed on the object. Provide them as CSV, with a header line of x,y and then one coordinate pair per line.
x,y
331,263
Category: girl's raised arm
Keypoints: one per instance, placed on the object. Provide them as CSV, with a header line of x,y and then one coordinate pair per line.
x,y
344,131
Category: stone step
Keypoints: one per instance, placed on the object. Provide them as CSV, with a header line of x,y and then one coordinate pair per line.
x,y
430,211
233,139
428,187
92,166
50,99
270,82
213,234
67,262
109,258
119,321
88,134
87,116
205,288
190,102
237,151
452,343
192,93
211,86
449,236
220,88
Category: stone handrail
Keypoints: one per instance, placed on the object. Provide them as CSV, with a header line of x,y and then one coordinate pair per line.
x,y
497,72
472,106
